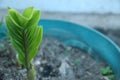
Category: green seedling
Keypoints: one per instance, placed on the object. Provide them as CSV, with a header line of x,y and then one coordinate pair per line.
x,y
1,21
25,36
106,71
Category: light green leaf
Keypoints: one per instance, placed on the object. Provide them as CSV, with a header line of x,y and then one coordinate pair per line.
x,y
18,18
24,33
28,12
34,20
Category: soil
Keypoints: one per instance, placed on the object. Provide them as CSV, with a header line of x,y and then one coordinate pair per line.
x,y
55,61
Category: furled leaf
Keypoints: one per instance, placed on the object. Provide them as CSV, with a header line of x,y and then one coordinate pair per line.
x,y
34,20
18,18
28,12
24,33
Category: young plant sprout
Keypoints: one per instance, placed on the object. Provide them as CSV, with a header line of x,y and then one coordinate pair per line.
x,y
25,36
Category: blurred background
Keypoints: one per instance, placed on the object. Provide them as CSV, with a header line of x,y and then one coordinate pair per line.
x,y
94,13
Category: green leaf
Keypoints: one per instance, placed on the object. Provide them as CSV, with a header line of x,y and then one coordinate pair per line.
x,y
34,41
24,33
28,12
106,71
34,20
18,18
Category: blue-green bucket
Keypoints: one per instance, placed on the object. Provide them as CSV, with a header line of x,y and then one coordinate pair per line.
x,y
86,38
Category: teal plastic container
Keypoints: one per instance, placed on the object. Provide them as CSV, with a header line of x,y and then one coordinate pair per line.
x,y
85,38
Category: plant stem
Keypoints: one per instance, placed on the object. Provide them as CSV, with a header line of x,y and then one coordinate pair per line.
x,y
30,71
25,50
